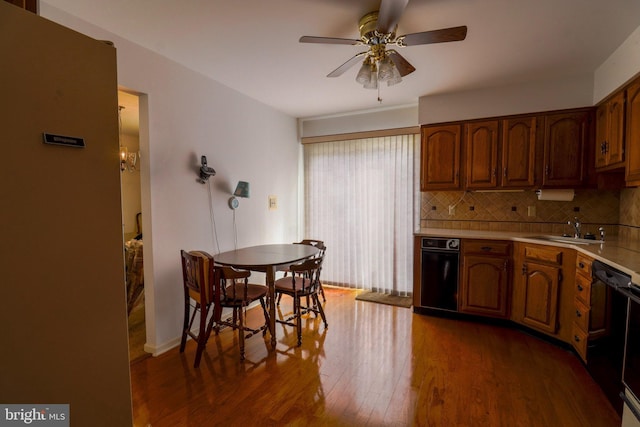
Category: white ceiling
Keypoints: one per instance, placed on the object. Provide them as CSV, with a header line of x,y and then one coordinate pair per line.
x,y
252,45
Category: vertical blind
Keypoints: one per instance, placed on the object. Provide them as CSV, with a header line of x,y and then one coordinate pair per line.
x,y
359,199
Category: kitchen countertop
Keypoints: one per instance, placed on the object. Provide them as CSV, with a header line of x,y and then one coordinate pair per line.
x,y
623,255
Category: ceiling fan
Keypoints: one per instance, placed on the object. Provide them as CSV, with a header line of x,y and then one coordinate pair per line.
x,y
378,31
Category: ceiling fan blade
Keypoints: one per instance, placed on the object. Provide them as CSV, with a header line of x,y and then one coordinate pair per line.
x,y
401,64
389,15
328,40
344,67
452,34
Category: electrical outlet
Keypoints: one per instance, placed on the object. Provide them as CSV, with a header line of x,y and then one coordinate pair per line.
x,y
452,210
531,210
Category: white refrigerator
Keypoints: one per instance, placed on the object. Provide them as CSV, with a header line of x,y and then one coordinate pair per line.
x,y
63,316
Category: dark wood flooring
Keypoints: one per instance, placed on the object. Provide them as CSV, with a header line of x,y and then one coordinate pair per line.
x,y
376,365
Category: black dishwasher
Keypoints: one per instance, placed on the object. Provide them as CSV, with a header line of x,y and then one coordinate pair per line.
x,y
440,259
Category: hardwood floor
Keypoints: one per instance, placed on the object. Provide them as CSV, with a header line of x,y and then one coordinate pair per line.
x,y
376,365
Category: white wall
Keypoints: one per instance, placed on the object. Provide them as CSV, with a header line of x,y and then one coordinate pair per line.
x,y
379,119
619,68
190,115
561,93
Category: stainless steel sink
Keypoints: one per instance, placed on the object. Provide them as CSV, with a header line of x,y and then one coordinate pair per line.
x,y
564,239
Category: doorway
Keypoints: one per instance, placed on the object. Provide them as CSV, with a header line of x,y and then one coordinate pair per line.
x,y
129,139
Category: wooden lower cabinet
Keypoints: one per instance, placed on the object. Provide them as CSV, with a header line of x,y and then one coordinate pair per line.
x,y
538,296
591,307
541,298
484,288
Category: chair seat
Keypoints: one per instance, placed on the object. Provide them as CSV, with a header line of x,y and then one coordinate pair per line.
x,y
286,285
254,292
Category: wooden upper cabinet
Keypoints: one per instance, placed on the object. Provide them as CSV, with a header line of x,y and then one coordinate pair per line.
x,y
30,5
440,162
632,172
500,157
481,154
610,126
566,136
519,152
511,152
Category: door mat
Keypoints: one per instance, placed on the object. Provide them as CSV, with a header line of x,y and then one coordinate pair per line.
x,y
385,299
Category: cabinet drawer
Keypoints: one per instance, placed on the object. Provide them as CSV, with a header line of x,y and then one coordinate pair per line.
x,y
581,316
486,247
579,341
583,264
546,254
583,289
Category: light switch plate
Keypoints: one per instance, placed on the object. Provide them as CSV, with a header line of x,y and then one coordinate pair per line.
x,y
273,203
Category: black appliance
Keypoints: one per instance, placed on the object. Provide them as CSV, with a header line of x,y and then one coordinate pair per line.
x,y
605,354
631,371
440,259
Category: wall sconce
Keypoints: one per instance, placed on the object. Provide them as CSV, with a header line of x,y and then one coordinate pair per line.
x,y
128,160
242,190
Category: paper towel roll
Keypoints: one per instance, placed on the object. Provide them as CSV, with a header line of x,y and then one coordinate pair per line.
x,y
557,195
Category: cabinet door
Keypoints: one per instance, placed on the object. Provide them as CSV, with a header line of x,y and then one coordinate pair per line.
x,y
481,153
609,146
540,287
440,152
615,139
632,175
602,131
484,286
519,152
564,144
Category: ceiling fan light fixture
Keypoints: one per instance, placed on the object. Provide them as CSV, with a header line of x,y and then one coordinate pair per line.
x,y
385,70
373,82
395,78
364,75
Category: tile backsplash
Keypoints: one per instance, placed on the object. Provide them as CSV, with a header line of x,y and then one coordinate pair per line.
x,y
630,214
522,211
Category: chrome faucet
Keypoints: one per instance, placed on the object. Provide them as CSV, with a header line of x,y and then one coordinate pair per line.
x,y
576,227
601,230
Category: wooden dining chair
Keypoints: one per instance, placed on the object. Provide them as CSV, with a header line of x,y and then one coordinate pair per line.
x,y
318,244
198,283
303,282
237,293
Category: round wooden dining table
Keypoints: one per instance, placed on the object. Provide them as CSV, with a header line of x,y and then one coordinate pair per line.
x,y
267,259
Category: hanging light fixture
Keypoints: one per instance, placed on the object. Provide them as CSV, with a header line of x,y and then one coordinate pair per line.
x,y
378,68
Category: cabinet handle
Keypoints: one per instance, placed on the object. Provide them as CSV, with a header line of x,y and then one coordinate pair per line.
x,y
495,172
547,170
505,172
580,288
576,338
486,248
524,269
581,264
578,314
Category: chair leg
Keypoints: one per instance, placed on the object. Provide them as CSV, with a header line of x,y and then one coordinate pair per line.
x,y
185,326
320,309
266,318
202,335
321,292
297,312
241,331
